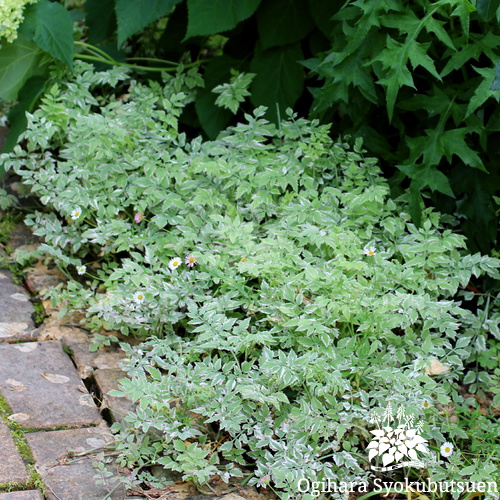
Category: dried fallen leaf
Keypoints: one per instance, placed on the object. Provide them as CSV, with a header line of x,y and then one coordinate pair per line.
x,y
11,329
19,417
436,368
55,378
26,347
96,443
86,400
15,385
20,297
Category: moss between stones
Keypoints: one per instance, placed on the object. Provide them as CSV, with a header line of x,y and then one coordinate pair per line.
x,y
34,481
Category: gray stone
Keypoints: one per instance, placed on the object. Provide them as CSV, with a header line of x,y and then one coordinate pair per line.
x,y
71,478
21,236
16,323
22,495
41,386
107,380
106,358
12,466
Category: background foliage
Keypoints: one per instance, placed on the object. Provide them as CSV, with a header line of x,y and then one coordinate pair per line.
x,y
418,81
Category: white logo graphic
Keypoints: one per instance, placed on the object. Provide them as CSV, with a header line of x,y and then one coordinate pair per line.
x,y
396,442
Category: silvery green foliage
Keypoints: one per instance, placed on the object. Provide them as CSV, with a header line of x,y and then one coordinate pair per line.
x,y
313,301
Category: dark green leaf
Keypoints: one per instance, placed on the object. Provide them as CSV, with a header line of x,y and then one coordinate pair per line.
x,y
483,91
424,176
454,143
487,9
216,16
19,61
279,80
282,22
101,19
395,73
28,96
133,15
49,25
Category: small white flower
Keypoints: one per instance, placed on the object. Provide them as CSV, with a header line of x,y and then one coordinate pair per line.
x,y
446,449
175,263
370,251
426,404
139,297
81,269
76,212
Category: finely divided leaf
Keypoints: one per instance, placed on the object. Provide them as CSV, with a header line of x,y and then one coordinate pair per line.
x,y
49,25
133,15
215,16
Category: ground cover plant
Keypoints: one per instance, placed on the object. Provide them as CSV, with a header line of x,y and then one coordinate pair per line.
x,y
284,298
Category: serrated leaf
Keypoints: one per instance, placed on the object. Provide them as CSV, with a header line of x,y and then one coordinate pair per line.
x,y
463,11
133,15
458,59
216,16
394,59
487,9
49,25
418,57
483,91
454,143
279,80
282,22
427,176
19,61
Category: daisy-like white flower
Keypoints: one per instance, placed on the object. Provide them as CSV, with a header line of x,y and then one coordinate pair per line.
x,y
139,297
446,449
175,263
76,212
370,251
426,404
190,260
81,269
138,217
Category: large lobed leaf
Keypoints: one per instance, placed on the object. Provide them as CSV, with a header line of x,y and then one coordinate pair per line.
x,y
216,16
133,15
49,25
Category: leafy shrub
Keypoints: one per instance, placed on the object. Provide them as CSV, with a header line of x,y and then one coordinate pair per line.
x,y
419,81
309,301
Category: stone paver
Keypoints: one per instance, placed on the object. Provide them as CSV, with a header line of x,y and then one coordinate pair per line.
x,y
70,478
16,323
12,468
41,386
107,380
107,358
22,495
